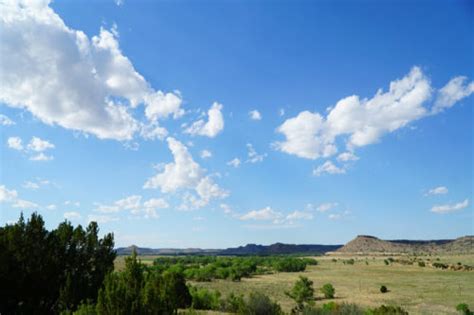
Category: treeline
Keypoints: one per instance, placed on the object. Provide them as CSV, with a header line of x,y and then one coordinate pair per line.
x,y
48,272
207,268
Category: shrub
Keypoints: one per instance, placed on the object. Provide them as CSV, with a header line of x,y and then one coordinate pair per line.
x,y
259,304
387,310
463,308
332,308
328,291
204,299
386,262
383,289
302,292
233,303
421,264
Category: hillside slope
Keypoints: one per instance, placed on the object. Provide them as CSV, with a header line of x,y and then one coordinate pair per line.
x,y
371,244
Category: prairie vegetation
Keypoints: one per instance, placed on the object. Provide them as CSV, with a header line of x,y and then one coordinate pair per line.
x,y
70,270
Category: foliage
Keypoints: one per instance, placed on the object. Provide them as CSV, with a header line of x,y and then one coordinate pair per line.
x,y
259,304
49,272
387,310
463,308
207,268
332,308
383,289
328,291
421,264
204,299
302,292
137,290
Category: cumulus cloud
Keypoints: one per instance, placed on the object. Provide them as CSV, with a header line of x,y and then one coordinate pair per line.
x,y
134,205
255,115
326,206
347,156
5,121
440,190
275,218
205,154
35,147
10,196
91,86
455,90
213,126
329,168
253,156
360,122
266,214
448,208
15,143
184,174
234,162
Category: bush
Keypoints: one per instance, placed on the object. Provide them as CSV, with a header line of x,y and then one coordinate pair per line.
x,y
332,308
421,264
387,310
463,308
233,303
204,299
302,292
260,304
386,262
383,289
328,291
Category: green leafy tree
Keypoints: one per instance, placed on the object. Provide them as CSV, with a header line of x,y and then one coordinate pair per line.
x,y
302,292
328,291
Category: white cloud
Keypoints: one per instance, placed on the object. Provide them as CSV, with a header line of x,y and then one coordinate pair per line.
x,y
335,216
51,207
450,207
299,215
253,156
234,162
101,219
329,168
281,112
306,136
265,214
226,208
72,203
91,86
35,145
326,206
72,215
15,143
134,205
255,115
185,174
119,3
5,121
41,157
347,156
212,127
361,122
455,90
38,145
31,185
11,197
205,154
441,190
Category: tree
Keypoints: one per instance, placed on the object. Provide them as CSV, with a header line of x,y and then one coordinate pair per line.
x,y
46,272
328,291
302,292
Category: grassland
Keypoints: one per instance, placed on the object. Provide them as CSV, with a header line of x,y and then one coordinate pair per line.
x,y
420,290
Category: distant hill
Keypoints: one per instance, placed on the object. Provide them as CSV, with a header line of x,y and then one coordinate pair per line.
x,y
249,249
279,248
371,244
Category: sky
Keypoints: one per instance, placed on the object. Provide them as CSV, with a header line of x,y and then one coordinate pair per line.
x,y
220,123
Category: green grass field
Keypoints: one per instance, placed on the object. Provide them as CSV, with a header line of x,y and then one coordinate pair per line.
x,y
420,290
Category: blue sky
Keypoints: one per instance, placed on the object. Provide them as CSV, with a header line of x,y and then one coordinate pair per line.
x,y
216,124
